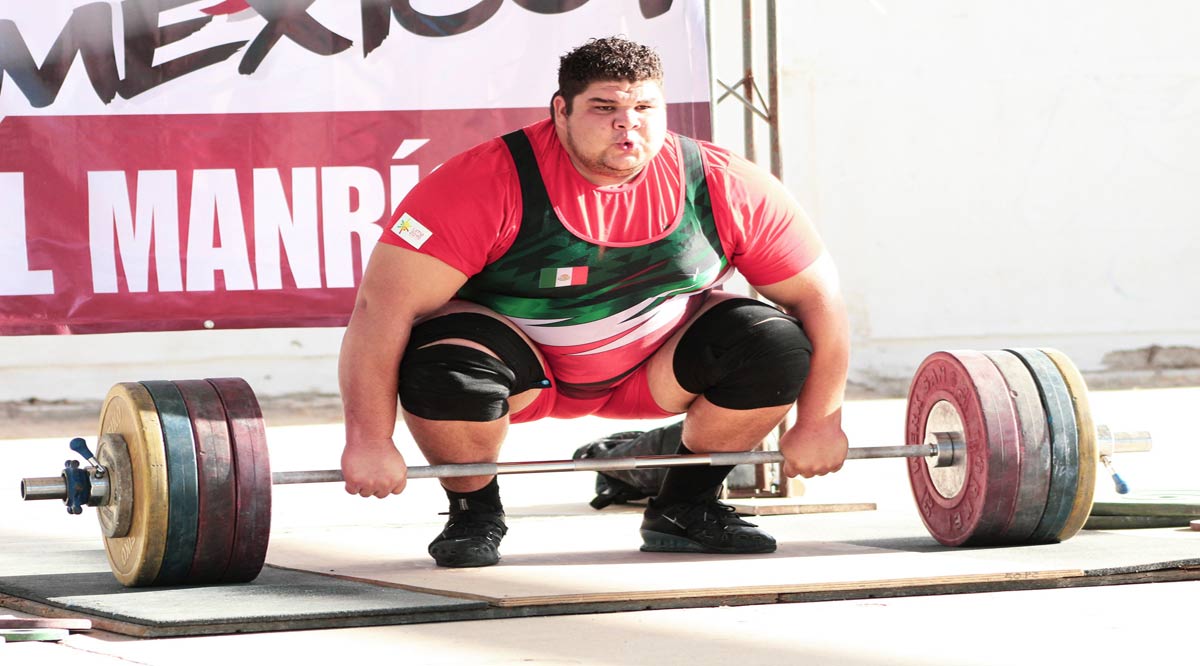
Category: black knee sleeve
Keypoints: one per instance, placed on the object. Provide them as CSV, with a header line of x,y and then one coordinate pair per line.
x,y
449,382
743,354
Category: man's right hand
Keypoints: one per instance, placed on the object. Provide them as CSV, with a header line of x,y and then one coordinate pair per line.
x,y
374,468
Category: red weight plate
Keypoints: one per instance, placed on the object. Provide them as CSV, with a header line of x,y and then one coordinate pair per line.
x,y
253,479
978,502
1035,446
218,494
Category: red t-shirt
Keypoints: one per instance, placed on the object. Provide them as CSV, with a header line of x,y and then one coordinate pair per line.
x,y
470,207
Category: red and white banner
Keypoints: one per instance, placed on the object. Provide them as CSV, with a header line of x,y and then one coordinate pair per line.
x,y
178,164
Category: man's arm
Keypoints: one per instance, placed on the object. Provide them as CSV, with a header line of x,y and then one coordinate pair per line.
x,y
399,287
816,444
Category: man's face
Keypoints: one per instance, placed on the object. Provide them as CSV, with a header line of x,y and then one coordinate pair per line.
x,y
613,130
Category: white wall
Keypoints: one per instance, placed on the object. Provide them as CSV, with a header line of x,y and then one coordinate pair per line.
x,y
987,173
83,367
994,173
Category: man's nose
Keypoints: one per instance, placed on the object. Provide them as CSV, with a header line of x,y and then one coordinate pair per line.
x,y
628,119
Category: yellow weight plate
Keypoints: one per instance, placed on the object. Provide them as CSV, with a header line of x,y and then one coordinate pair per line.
x,y
136,557
1088,455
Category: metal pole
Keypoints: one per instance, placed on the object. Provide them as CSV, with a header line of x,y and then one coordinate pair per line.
x,y
748,80
773,91
712,77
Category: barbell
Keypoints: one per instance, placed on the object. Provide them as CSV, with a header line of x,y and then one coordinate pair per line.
x,y
1001,449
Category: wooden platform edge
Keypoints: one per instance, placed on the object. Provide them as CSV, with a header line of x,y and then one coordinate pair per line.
x,y
846,592
841,587
175,630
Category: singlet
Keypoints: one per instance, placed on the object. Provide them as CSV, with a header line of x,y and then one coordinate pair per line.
x,y
598,311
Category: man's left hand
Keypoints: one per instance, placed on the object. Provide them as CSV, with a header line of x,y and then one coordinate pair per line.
x,y
810,451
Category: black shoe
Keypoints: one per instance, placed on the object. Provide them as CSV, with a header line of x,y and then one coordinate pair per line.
x,y
471,537
702,525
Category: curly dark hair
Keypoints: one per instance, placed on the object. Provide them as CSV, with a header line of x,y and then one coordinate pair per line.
x,y
606,59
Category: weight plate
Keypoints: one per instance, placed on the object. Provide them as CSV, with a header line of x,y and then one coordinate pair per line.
x,y
975,503
215,474
1064,444
22,635
116,514
129,412
184,504
252,478
1085,489
68,623
1035,446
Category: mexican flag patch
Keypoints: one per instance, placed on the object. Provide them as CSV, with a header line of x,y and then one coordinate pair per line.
x,y
563,277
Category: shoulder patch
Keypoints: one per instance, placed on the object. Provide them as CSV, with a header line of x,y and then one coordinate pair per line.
x,y
411,231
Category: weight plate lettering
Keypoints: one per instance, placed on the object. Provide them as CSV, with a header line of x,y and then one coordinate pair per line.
x,y
968,385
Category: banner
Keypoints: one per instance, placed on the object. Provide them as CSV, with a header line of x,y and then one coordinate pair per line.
x,y
174,164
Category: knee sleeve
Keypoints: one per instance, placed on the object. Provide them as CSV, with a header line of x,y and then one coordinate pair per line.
x,y
454,383
449,382
743,354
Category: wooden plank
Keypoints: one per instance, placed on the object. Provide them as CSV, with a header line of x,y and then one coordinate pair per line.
x,y
780,506
595,559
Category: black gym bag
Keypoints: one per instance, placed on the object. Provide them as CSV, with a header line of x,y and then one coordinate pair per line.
x,y
621,486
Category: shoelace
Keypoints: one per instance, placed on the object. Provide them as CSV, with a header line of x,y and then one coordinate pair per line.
x,y
722,513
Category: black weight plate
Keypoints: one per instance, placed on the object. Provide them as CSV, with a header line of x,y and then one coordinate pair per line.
x,y
183,504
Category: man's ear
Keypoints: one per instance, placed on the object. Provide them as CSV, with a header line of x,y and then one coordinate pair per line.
x,y
558,107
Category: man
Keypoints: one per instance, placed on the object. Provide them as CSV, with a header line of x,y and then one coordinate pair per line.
x,y
569,269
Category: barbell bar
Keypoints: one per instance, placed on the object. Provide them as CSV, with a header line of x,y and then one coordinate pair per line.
x,y
1001,450
610,464
943,454
55,487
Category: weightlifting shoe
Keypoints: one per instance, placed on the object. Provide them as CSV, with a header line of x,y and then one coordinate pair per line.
x,y
471,537
700,525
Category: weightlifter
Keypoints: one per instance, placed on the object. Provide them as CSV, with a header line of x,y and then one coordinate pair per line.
x,y
571,268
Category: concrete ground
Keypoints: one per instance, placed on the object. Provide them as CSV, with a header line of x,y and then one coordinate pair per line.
x,y
1146,623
